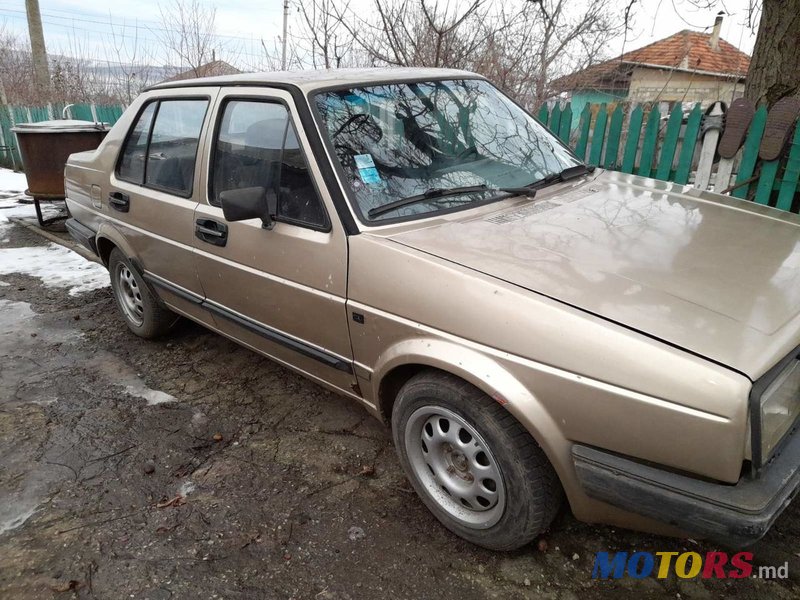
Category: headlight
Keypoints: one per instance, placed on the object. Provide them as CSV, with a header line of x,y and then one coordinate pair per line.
x,y
780,406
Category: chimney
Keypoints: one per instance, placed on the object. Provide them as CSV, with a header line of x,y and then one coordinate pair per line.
x,y
714,41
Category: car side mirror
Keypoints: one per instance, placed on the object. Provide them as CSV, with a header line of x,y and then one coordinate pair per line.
x,y
246,203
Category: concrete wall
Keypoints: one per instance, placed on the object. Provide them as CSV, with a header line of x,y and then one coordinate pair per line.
x,y
648,84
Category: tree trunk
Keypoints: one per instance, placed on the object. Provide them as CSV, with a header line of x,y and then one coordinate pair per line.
x,y
775,67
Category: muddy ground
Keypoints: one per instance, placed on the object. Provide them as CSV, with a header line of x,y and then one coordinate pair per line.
x,y
283,489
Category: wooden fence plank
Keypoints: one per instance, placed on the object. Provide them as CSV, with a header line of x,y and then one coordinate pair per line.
x,y
82,112
688,145
583,135
544,114
766,180
566,123
649,143
19,114
40,113
632,143
555,118
598,136
614,134
791,174
670,143
750,153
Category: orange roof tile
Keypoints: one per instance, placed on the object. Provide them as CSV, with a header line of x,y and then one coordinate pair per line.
x,y
686,50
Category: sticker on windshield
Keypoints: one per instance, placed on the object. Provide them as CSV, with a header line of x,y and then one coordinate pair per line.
x,y
364,161
366,169
369,175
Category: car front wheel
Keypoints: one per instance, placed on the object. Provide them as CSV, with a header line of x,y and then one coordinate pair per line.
x,y
474,466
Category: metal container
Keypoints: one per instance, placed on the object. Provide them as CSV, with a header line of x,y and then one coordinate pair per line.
x,y
45,147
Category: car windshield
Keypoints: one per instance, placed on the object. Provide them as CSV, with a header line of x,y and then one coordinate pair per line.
x,y
401,140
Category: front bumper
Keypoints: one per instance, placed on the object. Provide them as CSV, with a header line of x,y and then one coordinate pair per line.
x,y
735,515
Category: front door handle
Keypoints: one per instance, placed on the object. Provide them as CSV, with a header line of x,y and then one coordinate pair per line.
x,y
212,232
119,201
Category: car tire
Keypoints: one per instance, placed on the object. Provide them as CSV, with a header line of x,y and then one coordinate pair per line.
x,y
471,462
142,312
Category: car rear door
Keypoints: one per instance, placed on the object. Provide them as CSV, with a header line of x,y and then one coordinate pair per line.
x,y
280,290
154,188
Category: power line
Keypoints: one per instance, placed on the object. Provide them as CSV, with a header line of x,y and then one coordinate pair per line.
x,y
105,35
111,24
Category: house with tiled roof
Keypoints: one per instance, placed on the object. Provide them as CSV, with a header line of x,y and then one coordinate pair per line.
x,y
211,69
686,67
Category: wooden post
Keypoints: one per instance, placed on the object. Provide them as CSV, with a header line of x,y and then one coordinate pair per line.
x,y
707,152
38,50
724,172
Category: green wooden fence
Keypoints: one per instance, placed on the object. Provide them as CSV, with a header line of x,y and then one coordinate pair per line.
x,y
643,141
13,115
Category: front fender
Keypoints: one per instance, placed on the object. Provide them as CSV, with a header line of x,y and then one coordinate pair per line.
x,y
487,373
487,370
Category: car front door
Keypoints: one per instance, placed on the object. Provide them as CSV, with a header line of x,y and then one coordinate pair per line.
x,y
154,188
280,290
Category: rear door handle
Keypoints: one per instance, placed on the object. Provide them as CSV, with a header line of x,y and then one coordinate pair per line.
x,y
212,232
119,201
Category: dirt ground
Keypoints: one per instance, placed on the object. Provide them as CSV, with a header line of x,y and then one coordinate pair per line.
x,y
283,489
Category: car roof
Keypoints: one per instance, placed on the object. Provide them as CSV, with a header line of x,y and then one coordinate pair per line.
x,y
317,79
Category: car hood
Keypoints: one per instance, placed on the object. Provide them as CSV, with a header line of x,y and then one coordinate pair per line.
x,y
714,276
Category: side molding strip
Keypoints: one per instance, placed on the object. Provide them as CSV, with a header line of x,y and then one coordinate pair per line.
x,y
270,334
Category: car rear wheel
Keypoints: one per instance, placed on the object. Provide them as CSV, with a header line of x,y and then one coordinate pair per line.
x,y
142,312
474,466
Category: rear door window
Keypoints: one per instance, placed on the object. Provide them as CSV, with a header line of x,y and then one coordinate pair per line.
x,y
131,165
172,152
161,148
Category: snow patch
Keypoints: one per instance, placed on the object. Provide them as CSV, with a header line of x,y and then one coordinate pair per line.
x,y
153,397
55,266
21,206
14,518
11,313
187,487
12,182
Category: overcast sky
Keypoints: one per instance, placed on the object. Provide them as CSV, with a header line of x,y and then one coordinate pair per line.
x,y
80,27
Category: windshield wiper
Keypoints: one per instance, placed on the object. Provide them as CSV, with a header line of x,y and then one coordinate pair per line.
x,y
564,175
435,193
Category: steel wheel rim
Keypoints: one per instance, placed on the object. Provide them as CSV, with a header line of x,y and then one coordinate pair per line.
x,y
455,466
129,295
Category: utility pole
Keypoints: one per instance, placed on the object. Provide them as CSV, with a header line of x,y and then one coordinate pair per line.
x,y
285,27
38,50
